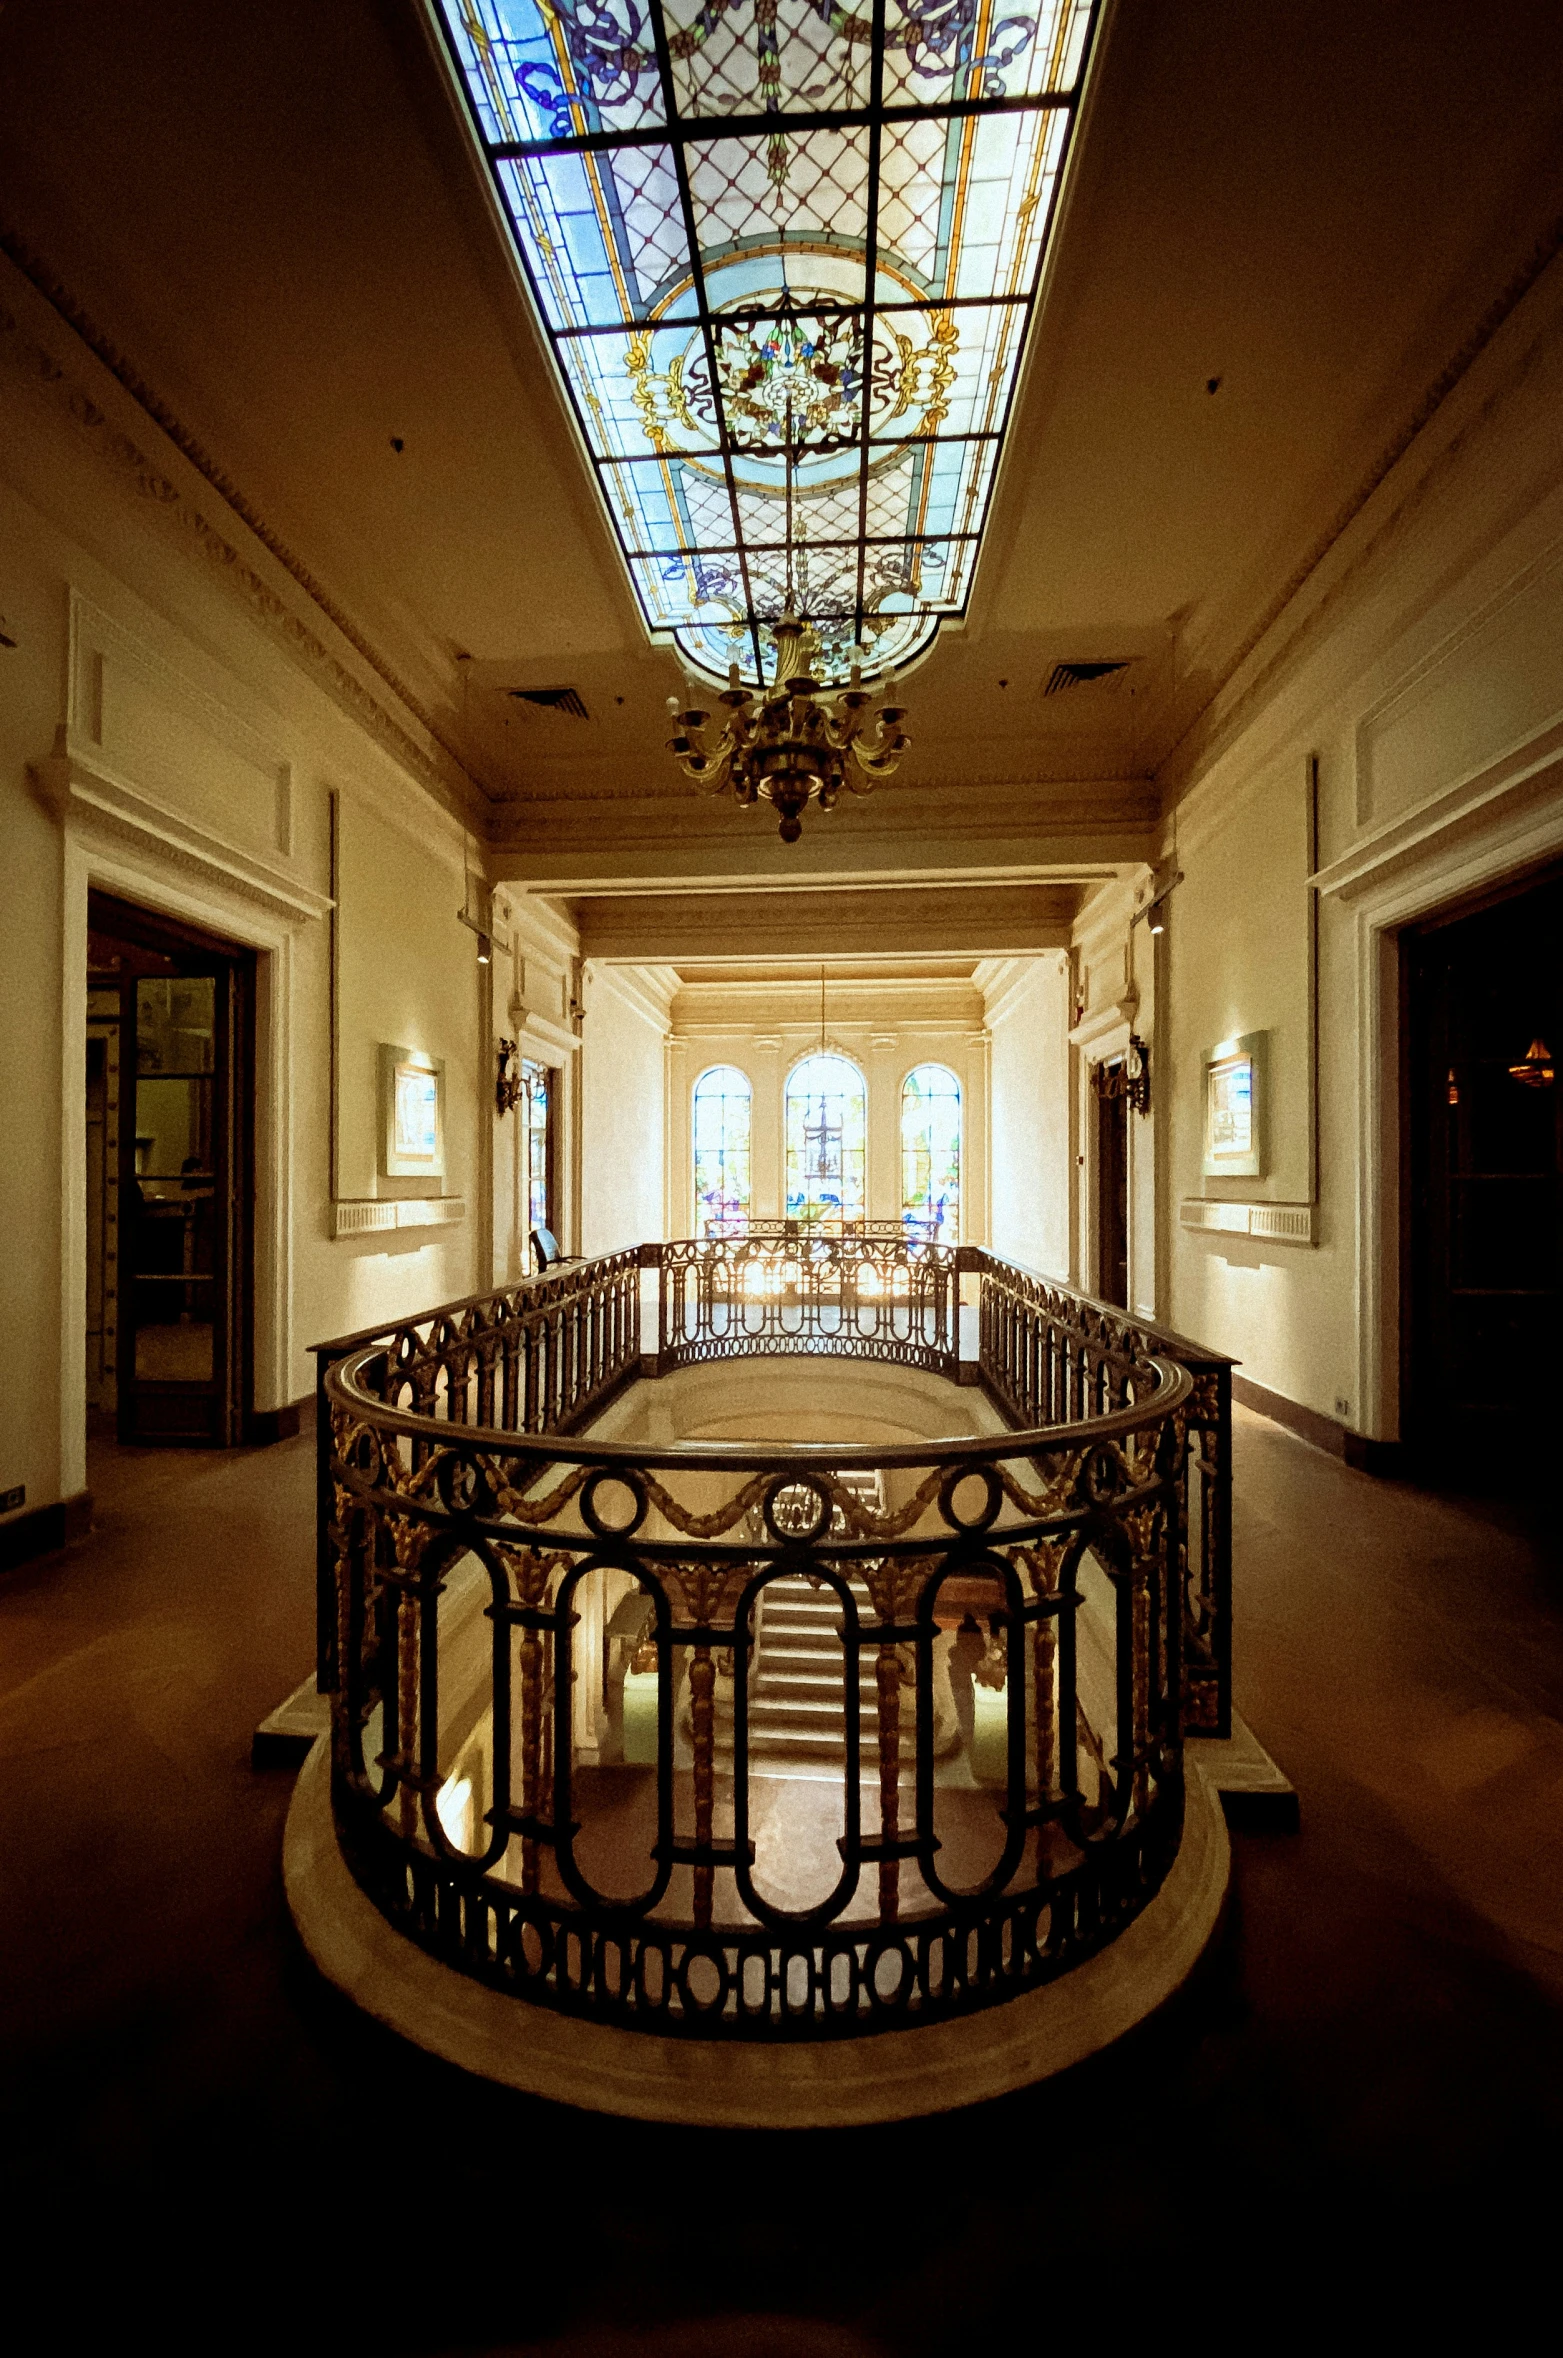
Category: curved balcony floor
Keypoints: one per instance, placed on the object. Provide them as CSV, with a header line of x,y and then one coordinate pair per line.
x,y
895,2075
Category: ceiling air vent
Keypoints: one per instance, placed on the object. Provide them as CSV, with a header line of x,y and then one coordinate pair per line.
x,y
553,700
1083,675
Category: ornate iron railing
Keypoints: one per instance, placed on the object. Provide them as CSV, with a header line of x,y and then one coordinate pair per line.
x,y
1047,1355
538,1357
776,1290
550,1653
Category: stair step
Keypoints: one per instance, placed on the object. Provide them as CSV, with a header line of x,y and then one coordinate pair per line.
x,y
814,1743
821,1710
786,1682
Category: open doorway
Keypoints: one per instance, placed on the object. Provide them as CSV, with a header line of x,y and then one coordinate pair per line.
x,y
1112,1184
170,1177
1482,1252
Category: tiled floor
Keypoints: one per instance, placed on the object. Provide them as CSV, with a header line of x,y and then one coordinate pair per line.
x,y
1359,2112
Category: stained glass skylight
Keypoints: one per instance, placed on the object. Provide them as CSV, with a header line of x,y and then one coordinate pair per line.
x,y
786,256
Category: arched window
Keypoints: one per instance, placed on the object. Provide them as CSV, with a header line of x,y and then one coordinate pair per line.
x,y
931,1151
722,1111
826,1141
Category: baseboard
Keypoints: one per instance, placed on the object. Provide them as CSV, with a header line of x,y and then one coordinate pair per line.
x,y
1257,1797
1385,1458
44,1530
285,1736
262,1426
1324,1432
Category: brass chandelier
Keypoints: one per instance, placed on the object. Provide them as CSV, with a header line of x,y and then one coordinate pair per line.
x,y
801,744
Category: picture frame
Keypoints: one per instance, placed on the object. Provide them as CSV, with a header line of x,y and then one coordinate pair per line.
x,y
412,1114
1236,1099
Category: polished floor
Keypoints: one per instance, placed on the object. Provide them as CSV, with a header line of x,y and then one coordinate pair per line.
x,y
1359,2110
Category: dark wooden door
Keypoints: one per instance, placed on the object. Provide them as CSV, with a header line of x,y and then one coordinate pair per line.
x,y
1484,1239
1112,1191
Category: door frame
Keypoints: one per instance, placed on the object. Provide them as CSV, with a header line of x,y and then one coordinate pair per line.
x,y
235,963
1497,826
1099,1104
97,863
1101,1039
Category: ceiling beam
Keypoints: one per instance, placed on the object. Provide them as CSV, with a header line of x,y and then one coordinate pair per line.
x,y
909,836
972,921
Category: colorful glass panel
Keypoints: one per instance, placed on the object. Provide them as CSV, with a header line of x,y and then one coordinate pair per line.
x,y
723,1109
539,1144
931,1152
827,1154
786,256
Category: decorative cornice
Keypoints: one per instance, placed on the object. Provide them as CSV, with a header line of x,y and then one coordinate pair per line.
x,y
34,361
79,786
1102,1024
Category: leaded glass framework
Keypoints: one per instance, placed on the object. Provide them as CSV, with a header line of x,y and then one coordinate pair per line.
x,y
827,1141
537,1083
786,257
931,1153
723,1120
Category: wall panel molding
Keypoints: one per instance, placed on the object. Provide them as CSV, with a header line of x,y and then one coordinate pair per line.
x,y
1278,1223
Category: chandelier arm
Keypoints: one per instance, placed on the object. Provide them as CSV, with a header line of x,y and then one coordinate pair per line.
x,y
881,763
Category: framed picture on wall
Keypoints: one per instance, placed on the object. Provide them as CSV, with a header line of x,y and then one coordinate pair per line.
x,y
1236,1112
412,1114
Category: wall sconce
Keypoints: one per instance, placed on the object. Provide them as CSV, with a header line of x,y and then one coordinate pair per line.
x,y
1129,1078
1154,911
508,1084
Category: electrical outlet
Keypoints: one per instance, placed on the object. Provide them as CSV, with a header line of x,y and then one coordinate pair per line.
x,y
1342,1408
10,1500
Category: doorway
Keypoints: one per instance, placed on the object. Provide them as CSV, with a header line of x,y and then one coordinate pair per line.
x,y
1112,1183
1482,1251
170,1177
540,1127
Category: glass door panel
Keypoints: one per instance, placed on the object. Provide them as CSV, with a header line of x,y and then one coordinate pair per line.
x,y
176,1242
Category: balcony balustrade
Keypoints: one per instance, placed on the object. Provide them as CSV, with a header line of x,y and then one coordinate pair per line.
x,y
744,1740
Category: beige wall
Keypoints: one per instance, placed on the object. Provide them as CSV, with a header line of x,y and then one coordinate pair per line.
x,y
535,1006
1028,1013
173,730
622,1141
1423,667
31,1044
407,976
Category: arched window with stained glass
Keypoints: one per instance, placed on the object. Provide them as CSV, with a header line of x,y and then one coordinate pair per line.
x,y
827,1134
723,1117
931,1152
